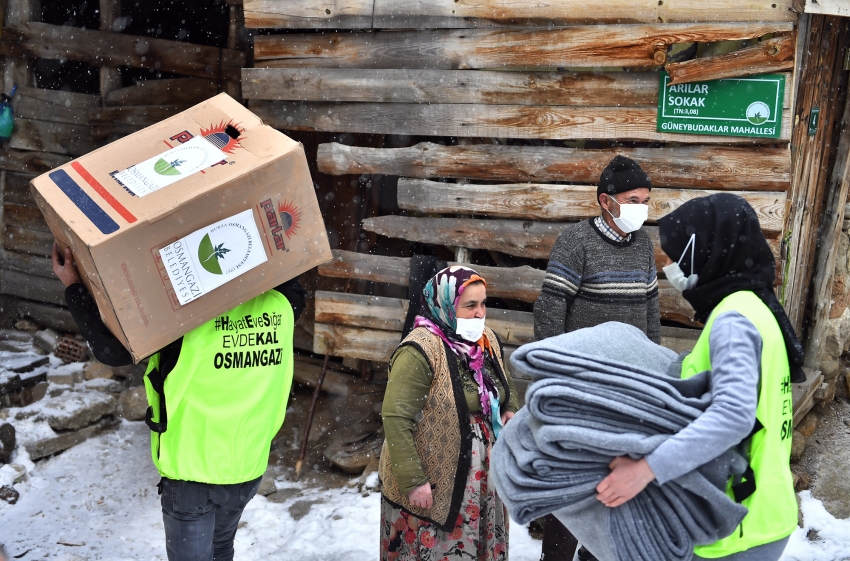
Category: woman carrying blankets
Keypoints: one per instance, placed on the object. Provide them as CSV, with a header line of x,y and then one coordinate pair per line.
x,y
752,354
448,395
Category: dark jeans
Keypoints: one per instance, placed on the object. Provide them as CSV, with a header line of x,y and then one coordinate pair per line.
x,y
558,543
200,518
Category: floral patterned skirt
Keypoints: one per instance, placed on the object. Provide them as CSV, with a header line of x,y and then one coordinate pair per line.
x,y
481,530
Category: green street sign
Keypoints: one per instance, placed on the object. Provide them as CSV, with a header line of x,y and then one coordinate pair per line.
x,y
729,107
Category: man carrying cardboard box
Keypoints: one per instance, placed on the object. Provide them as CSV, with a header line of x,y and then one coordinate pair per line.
x,y
226,385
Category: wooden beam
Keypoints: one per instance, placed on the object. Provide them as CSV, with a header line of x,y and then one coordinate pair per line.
x,y
47,315
110,78
334,383
721,167
42,448
54,106
26,161
773,55
25,263
828,7
139,116
105,48
18,70
171,91
354,342
558,202
24,240
18,216
17,189
40,289
47,136
521,238
828,243
384,14
499,121
515,283
586,46
820,79
451,86
349,309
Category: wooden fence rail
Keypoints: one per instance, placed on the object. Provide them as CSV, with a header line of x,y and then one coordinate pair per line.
x,y
378,14
720,167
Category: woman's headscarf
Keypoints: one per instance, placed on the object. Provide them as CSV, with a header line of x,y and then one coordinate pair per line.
x,y
731,255
438,316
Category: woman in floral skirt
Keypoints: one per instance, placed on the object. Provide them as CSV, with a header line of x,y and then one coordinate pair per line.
x,y
448,395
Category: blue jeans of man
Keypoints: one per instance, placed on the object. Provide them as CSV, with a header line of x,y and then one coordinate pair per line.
x,y
201,518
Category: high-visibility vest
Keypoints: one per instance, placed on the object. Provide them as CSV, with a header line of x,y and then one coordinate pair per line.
x,y
772,506
215,414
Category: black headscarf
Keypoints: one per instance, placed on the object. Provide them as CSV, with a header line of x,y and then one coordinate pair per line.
x,y
731,255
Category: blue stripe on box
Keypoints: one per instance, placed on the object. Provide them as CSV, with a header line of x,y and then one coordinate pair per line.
x,y
85,203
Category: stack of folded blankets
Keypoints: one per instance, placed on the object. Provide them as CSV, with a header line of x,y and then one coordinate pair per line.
x,y
600,393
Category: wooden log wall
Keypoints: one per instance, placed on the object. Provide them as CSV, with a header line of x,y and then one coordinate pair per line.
x,y
52,127
499,78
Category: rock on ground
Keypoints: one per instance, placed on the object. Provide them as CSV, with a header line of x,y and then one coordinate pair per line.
x,y
827,457
71,410
7,442
133,404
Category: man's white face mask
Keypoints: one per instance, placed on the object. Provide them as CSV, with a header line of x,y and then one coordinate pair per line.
x,y
674,273
632,216
470,329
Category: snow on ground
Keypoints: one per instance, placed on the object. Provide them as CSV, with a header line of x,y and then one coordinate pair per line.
x,y
98,501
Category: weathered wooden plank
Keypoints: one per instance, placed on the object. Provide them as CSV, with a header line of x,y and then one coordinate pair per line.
x,y
585,46
28,107
773,55
499,121
136,116
721,167
308,14
47,315
517,283
354,342
828,7
110,11
61,98
44,136
502,13
451,86
828,244
105,48
521,238
26,263
49,446
40,289
558,202
335,383
26,161
171,91
350,309
384,14
24,240
101,132
16,189
21,216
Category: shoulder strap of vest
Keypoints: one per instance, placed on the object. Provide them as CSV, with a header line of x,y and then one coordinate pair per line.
x,y
157,381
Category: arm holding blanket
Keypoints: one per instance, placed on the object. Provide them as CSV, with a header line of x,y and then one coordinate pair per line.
x,y
736,358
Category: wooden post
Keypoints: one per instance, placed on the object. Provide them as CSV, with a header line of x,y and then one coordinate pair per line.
x,y
110,78
819,78
234,88
18,70
839,185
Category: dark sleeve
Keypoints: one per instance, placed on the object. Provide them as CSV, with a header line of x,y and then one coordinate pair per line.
x,y
105,346
296,295
560,285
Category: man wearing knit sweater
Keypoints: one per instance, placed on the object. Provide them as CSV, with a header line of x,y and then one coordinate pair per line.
x,y
600,270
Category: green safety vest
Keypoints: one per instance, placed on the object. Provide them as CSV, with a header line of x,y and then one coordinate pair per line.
x,y
226,397
772,506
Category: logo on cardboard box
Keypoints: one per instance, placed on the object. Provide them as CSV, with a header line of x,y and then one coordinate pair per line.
x,y
284,222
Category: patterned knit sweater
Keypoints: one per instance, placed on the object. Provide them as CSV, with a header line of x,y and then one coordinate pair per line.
x,y
592,279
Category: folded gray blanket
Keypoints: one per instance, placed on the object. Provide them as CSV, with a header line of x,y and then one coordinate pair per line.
x,y
604,392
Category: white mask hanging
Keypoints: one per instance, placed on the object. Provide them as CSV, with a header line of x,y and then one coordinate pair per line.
x,y
674,273
632,216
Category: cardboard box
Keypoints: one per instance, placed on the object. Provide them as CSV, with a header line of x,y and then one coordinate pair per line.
x,y
184,220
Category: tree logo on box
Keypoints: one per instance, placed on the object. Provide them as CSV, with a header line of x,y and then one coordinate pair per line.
x,y
168,168
758,112
209,254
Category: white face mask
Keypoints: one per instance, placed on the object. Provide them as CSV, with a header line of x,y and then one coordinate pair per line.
x,y
674,273
470,329
632,216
